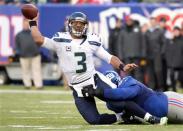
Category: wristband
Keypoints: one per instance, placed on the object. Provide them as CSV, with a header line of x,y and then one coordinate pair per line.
x,y
121,66
32,23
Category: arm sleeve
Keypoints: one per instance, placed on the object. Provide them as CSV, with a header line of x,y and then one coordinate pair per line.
x,y
121,93
103,54
49,43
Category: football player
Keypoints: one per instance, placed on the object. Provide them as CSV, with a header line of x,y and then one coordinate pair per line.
x,y
161,104
75,50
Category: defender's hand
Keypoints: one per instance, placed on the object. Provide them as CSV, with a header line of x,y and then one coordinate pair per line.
x,y
88,91
130,67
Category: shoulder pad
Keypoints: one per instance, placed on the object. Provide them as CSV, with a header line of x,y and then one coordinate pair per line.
x,y
94,37
60,34
94,43
62,37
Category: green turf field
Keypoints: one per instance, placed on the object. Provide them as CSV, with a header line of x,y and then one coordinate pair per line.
x,y
52,109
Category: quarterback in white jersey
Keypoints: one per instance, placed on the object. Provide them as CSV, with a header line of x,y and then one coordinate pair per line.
x,y
76,55
75,50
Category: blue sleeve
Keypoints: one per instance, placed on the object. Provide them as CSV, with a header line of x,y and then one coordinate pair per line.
x,y
122,93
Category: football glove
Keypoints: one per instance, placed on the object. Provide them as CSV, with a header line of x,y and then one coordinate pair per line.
x,y
89,91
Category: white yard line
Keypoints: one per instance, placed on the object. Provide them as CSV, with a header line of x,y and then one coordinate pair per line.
x,y
18,111
34,92
49,128
73,127
53,113
23,126
30,117
70,127
38,111
24,112
61,128
46,127
67,117
57,102
109,130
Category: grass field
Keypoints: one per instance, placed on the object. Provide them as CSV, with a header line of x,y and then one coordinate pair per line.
x,y
52,109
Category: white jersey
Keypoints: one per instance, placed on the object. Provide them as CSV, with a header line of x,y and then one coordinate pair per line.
x,y
76,55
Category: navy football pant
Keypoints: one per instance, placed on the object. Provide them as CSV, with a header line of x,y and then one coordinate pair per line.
x,y
87,108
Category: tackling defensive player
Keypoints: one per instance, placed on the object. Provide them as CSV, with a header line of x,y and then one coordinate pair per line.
x,y
160,104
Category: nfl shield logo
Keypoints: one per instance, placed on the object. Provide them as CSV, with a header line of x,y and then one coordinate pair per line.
x,y
68,48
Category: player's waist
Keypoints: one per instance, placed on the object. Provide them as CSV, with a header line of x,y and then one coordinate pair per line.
x,y
77,78
77,87
75,83
93,77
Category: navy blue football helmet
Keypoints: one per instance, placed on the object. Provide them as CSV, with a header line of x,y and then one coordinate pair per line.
x,y
113,76
75,29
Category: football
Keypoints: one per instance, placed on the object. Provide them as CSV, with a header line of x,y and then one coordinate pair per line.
x,y
29,11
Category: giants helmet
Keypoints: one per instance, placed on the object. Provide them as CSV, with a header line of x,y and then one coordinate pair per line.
x,y
113,76
78,30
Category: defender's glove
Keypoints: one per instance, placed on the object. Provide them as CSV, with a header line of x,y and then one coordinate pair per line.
x,y
89,91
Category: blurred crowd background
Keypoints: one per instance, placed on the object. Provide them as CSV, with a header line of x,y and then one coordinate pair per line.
x,y
154,46
157,50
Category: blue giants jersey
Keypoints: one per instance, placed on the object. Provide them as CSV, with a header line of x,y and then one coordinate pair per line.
x,y
156,103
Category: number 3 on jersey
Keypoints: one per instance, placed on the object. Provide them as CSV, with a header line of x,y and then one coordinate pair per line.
x,y
81,62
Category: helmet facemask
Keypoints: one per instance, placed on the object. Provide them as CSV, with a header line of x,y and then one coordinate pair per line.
x,y
76,30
